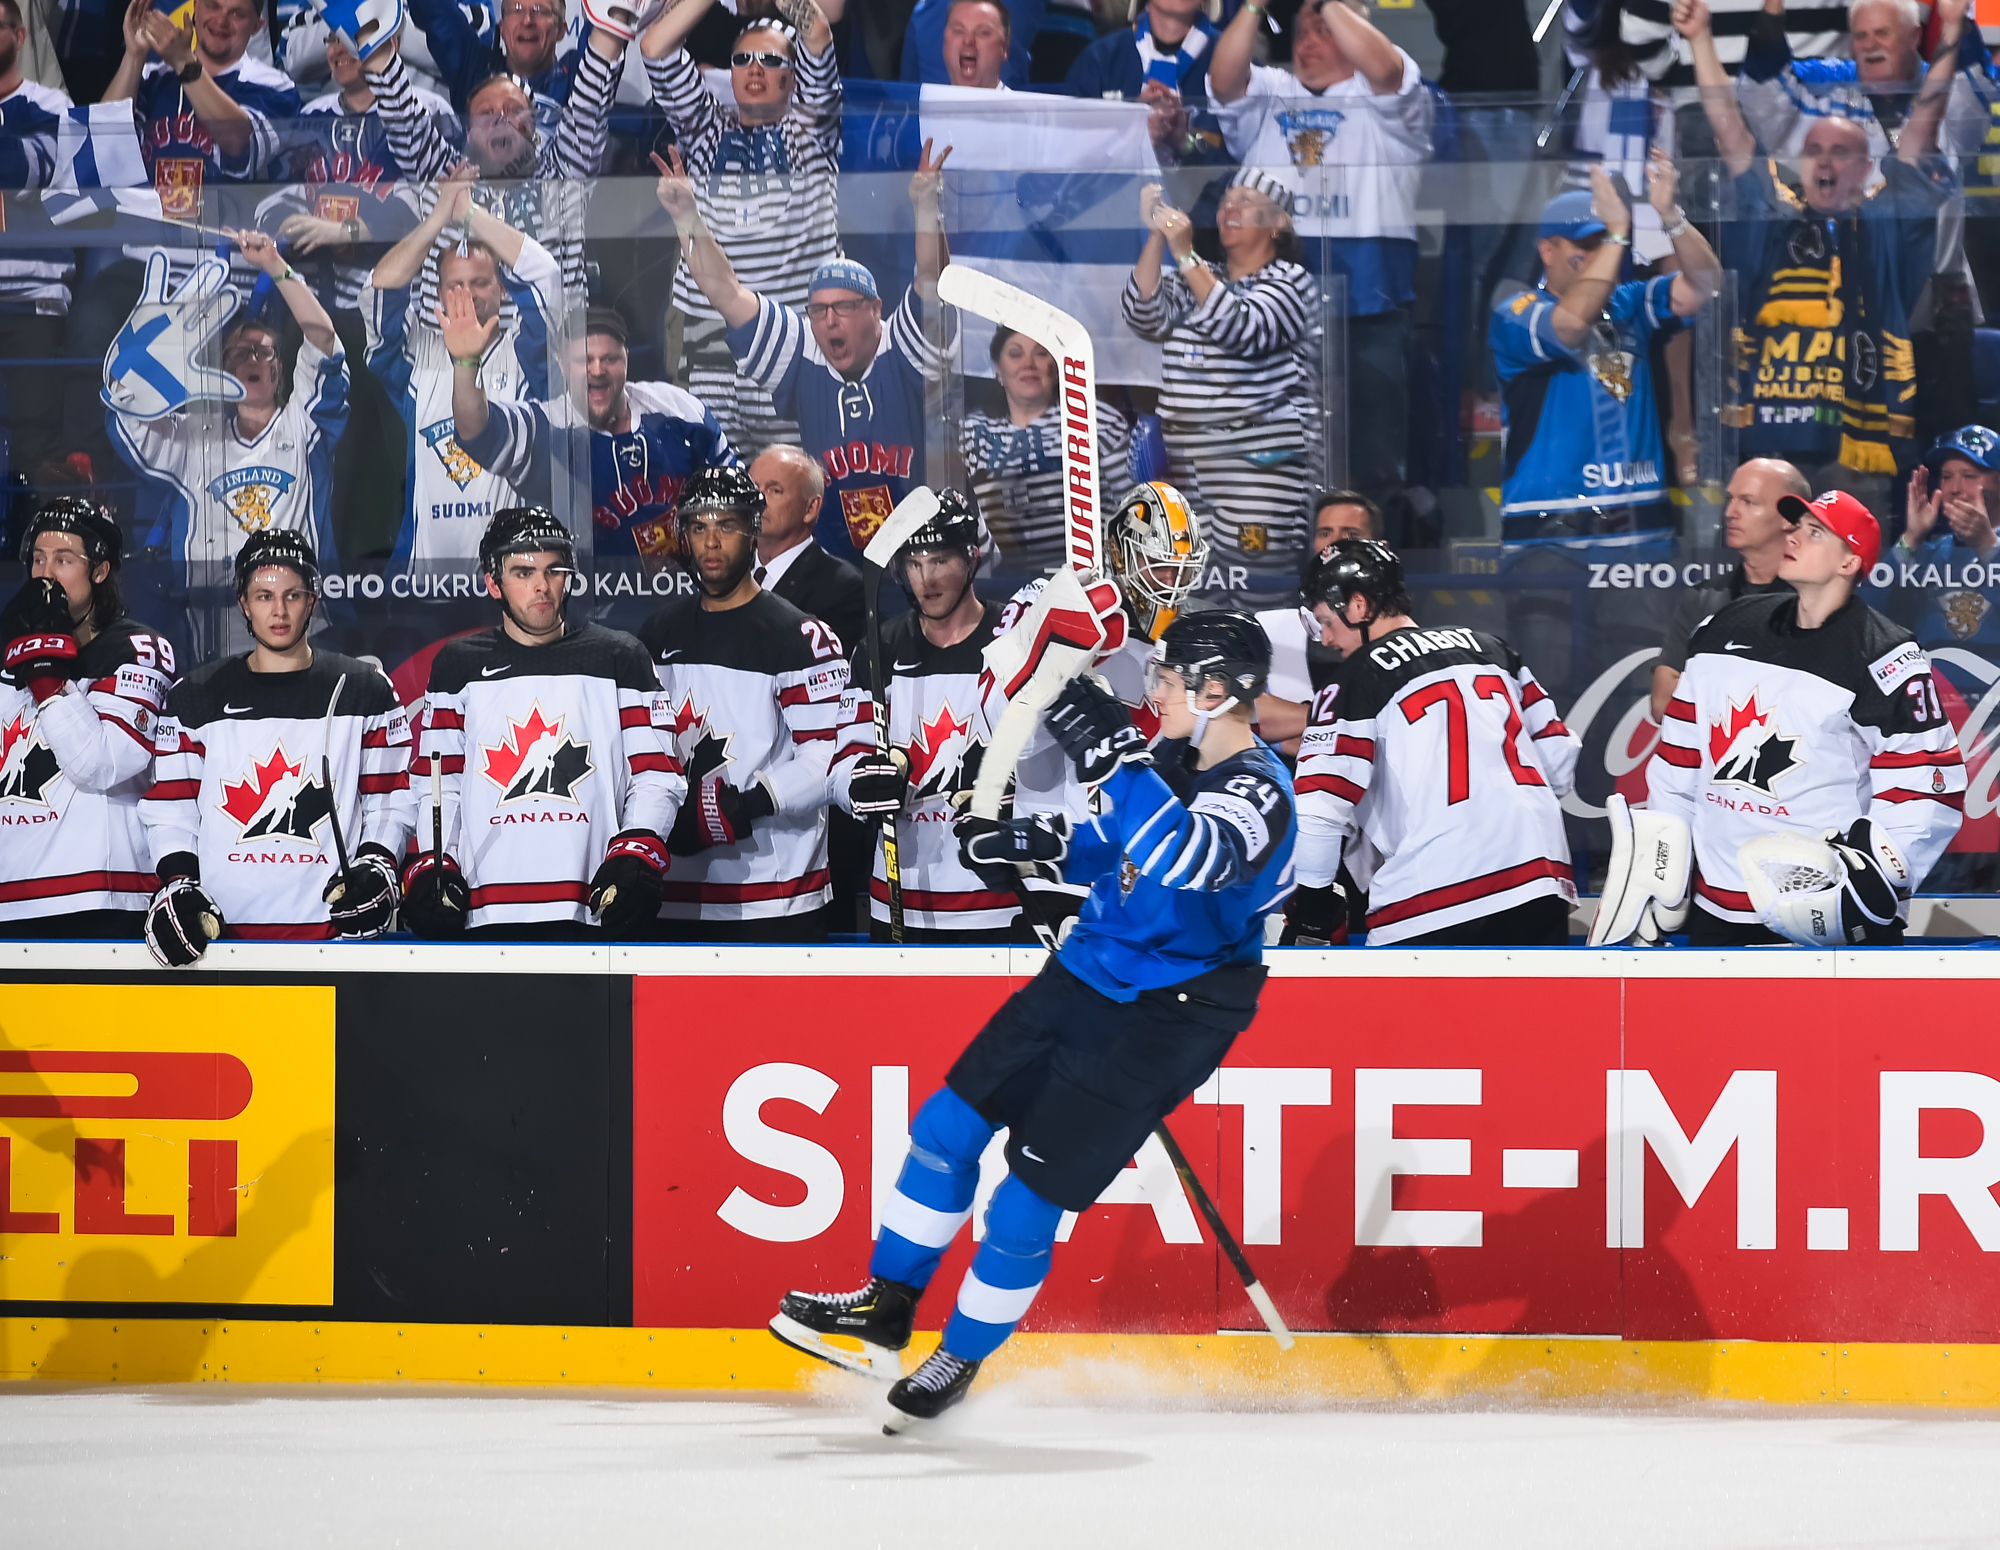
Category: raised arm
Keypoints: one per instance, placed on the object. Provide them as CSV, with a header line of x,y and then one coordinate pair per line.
x,y
1920,134
1718,96
125,83
220,114
313,322
401,265
1584,302
1229,63
1379,61
1701,271
467,339
671,28
706,261
933,247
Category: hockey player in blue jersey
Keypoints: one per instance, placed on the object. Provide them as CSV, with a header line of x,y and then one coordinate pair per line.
x,y
1190,850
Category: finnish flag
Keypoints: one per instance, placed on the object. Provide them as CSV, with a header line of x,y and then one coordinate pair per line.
x,y
99,166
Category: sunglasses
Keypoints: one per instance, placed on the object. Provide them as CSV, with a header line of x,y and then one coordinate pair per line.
x,y
743,58
249,352
816,310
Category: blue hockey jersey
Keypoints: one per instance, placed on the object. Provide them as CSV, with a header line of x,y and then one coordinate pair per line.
x,y
1182,865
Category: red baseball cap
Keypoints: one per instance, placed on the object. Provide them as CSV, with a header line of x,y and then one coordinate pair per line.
x,y
1845,517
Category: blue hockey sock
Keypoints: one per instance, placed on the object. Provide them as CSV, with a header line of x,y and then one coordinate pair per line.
x,y
933,1194
1008,1270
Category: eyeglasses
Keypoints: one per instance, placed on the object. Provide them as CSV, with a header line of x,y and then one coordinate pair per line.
x,y
743,59
818,310
249,352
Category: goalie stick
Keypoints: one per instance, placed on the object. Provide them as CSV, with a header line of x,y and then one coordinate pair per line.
x,y
326,775
1059,654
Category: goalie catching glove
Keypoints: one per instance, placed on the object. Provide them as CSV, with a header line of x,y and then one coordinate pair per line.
x,y
625,893
1841,890
1647,881
181,921
1094,727
362,900
1000,852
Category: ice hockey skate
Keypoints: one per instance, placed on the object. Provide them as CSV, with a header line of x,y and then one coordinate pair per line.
x,y
927,1393
878,1318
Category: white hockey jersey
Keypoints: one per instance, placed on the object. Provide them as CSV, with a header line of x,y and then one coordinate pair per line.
x,y
756,693
1775,728
933,706
238,786
546,753
1441,748
451,497
72,771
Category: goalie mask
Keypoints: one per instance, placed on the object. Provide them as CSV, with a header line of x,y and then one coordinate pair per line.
x,y
1219,647
953,530
1157,555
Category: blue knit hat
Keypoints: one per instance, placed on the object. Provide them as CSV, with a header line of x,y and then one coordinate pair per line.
x,y
842,274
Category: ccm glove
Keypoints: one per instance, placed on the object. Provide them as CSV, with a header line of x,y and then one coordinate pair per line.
x,y
436,900
362,900
1095,729
181,921
625,893
998,850
38,637
879,783
717,814
1316,917
1870,893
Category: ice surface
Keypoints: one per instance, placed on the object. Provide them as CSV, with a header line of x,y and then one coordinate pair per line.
x,y
1014,1469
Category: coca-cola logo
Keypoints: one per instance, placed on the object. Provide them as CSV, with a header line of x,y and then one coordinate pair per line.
x,y
1628,744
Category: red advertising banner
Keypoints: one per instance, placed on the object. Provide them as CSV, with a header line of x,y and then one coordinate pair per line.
x,y
1657,1158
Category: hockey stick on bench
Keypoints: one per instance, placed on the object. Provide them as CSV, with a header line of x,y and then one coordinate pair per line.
x,y
1066,634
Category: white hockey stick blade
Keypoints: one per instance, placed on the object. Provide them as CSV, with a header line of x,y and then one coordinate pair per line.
x,y
1269,1311
1076,368
911,513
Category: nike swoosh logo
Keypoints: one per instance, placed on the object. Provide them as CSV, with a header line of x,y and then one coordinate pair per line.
x,y
907,667
1732,645
488,672
1029,1153
236,710
666,656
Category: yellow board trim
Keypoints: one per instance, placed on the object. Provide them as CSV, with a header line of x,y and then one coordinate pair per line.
x,y
1221,1367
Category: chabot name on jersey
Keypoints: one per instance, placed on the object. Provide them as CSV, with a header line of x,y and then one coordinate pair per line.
x,y
1620,476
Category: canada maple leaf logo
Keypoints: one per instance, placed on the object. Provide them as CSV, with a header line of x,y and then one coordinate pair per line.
x,y
1748,751
686,717
537,760
929,749
279,800
700,746
27,764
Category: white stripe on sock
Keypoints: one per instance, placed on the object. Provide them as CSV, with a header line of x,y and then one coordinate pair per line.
x,y
994,1304
919,1223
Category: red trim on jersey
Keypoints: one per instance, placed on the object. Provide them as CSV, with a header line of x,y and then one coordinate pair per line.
x,y
439,717
1533,695
654,761
797,694
1362,748
174,791
378,738
1952,799
1333,783
741,893
1553,729
922,899
852,751
864,712
188,745
530,893
823,735
321,931
634,716
128,729
454,764
1680,710
1740,902
78,882
1908,761
1467,891
380,785
1679,757
102,686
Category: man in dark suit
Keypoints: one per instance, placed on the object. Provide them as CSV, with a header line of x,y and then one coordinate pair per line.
x,y
790,561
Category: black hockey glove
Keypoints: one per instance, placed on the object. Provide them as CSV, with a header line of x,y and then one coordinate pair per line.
x,y
1316,917
39,638
436,900
879,783
1095,729
625,893
1870,894
181,921
362,900
997,849
717,814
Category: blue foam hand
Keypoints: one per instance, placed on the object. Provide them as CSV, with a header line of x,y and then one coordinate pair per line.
x,y
151,369
363,25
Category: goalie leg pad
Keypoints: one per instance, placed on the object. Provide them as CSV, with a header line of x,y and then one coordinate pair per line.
x,y
1647,881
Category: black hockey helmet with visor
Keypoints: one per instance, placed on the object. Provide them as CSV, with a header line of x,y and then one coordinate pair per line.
x,y
953,530
525,530
91,523
1349,568
277,546
1222,647
721,491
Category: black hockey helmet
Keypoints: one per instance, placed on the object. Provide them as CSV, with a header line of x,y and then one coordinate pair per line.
x,y
78,514
1215,645
719,490
953,529
1356,565
277,546
524,530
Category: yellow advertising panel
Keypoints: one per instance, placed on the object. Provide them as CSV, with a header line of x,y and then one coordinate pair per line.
x,y
166,1143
